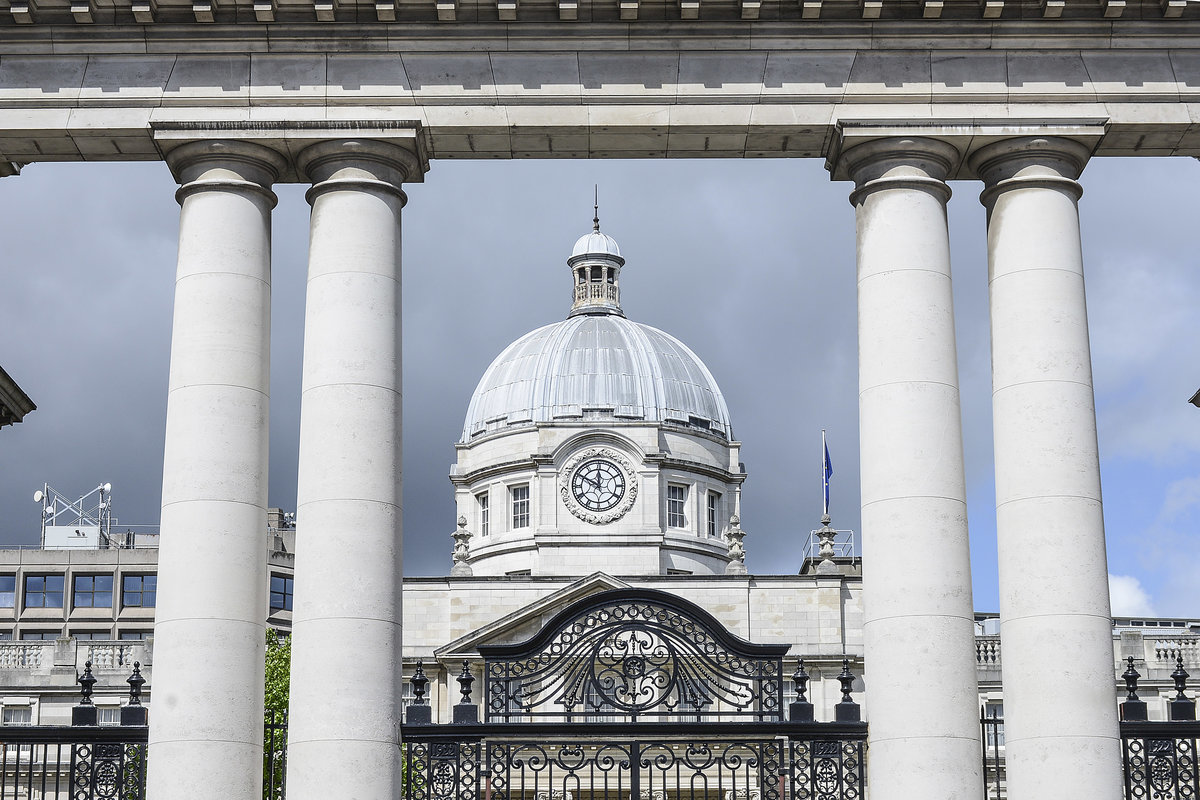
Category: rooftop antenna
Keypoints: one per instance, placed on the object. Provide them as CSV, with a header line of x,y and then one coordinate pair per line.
x,y
82,522
596,207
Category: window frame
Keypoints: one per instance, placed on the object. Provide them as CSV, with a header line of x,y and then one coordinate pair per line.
x,y
482,507
286,592
12,592
90,593
4,715
141,592
677,506
712,512
45,578
519,508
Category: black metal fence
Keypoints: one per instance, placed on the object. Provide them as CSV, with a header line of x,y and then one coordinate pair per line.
x,y
1159,760
73,763
609,761
275,726
991,726
82,761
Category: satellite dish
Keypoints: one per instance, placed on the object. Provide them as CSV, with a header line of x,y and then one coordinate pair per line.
x,y
38,496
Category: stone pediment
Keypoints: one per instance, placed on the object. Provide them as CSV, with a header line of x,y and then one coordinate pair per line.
x,y
525,622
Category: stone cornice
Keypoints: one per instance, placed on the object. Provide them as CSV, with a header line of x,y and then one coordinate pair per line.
x,y
14,403
844,17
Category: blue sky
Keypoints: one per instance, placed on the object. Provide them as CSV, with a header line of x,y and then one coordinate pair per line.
x,y
751,263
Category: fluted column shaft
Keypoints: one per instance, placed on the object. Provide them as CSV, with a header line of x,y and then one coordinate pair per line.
x,y
345,691
920,673
1060,721
206,730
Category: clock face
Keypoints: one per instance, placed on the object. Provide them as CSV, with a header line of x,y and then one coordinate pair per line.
x,y
598,485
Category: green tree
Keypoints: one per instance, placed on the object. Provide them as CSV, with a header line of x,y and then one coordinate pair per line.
x,y
279,671
278,681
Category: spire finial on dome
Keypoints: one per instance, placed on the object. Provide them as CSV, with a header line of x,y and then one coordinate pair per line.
x,y
595,264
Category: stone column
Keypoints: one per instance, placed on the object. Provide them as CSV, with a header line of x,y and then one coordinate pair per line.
x,y
918,630
1060,719
206,732
345,691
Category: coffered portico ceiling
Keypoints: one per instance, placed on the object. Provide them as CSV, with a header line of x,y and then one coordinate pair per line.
x,y
128,79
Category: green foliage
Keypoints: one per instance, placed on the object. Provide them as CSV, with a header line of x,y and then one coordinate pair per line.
x,y
279,671
278,681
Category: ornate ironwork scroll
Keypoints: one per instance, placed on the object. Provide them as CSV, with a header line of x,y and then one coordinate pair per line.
x,y
695,770
559,770
634,654
108,771
441,770
827,770
1161,768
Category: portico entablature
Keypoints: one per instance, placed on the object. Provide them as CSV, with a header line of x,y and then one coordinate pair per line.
x,y
654,89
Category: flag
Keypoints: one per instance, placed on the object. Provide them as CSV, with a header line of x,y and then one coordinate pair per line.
x,y
828,469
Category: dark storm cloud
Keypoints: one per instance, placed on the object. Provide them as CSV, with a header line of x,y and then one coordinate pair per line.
x,y
750,263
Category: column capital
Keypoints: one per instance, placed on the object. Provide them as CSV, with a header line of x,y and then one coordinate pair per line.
x,y
910,162
228,165
363,164
1048,162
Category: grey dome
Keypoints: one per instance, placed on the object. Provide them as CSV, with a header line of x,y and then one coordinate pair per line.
x,y
596,243
600,366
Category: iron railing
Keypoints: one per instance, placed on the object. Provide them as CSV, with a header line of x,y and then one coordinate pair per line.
x,y
646,761
1160,760
73,762
275,726
991,727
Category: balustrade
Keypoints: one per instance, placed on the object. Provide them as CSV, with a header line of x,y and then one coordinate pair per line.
x,y
596,291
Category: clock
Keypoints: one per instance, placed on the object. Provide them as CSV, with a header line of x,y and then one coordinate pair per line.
x,y
598,485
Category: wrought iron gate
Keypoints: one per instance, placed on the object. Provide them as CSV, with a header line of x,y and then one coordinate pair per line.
x,y
634,695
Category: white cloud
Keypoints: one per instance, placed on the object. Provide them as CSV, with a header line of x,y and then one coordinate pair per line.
x,y
1128,598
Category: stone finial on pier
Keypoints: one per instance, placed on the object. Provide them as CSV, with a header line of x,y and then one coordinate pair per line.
x,y
737,550
462,550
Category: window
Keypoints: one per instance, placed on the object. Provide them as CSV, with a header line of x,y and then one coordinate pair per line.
x,y
8,591
281,593
5,636
993,725
714,500
139,591
134,636
92,636
37,636
17,715
108,715
93,591
482,500
676,498
520,506
44,591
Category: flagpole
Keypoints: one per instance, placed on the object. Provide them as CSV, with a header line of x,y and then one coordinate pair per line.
x,y
824,478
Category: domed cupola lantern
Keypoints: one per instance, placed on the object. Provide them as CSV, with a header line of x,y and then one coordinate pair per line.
x,y
595,264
